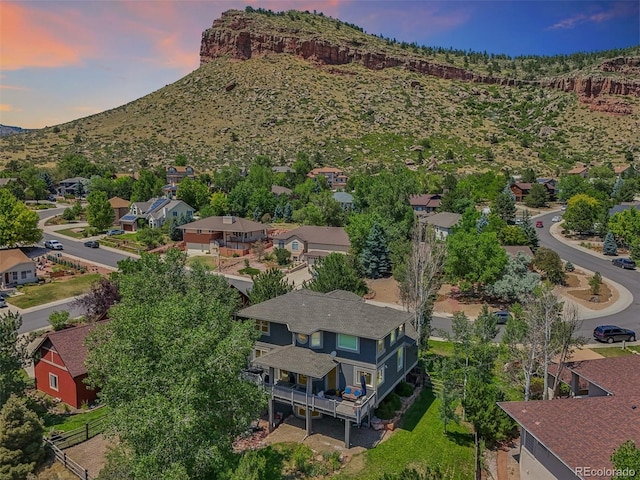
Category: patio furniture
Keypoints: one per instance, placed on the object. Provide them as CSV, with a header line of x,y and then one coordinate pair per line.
x,y
352,393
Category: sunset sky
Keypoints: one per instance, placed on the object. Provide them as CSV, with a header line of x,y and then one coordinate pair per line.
x,y
62,60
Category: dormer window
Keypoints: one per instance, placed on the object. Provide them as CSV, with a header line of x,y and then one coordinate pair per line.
x,y
393,337
401,330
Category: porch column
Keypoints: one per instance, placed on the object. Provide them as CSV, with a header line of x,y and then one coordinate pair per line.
x,y
307,410
347,432
271,408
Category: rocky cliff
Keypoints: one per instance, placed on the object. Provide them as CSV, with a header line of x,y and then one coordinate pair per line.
x,y
240,36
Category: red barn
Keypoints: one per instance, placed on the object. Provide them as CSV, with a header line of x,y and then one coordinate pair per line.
x,y
59,366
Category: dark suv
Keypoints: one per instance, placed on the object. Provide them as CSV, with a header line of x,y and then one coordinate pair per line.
x,y
611,333
626,263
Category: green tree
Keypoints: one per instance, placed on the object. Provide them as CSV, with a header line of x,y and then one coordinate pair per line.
x,y
18,224
283,256
123,187
549,262
218,204
538,196
512,235
625,225
610,247
526,225
358,229
150,237
475,259
13,356
100,214
226,178
571,185
288,213
21,439
59,319
336,272
529,175
146,187
504,206
375,255
169,364
193,193
595,283
517,282
269,284
582,213
626,457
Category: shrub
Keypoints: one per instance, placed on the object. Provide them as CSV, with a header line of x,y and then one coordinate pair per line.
x,y
332,460
389,406
283,256
59,320
301,458
404,389
568,267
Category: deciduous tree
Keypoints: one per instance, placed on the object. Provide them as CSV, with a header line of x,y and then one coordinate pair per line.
x,y
549,262
582,213
169,365
100,214
18,224
13,356
102,295
627,457
336,272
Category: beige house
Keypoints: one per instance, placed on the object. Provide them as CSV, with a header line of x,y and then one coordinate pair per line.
x,y
309,243
120,208
16,268
442,222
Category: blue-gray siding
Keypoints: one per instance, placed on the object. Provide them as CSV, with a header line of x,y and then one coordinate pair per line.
x,y
279,334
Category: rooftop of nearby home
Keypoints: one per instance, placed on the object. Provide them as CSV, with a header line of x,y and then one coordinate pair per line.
x,y
117,202
69,344
443,219
11,257
226,223
316,234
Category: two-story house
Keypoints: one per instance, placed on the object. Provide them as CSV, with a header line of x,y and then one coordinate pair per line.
x,y
335,177
226,235
310,242
154,213
72,186
313,346
425,203
574,438
442,222
175,175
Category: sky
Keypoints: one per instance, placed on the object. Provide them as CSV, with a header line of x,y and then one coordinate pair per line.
x,y
63,60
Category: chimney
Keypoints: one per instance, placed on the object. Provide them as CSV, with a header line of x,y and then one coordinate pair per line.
x,y
228,219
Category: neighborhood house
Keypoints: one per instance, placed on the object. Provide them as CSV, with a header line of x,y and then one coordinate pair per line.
x,y
442,223
309,243
227,235
59,366
335,177
425,203
329,354
154,213
16,268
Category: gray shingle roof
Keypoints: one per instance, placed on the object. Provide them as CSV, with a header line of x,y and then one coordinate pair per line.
x,y
303,360
217,224
443,219
305,311
315,234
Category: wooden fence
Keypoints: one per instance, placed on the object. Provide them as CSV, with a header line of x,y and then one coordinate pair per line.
x,y
69,464
78,435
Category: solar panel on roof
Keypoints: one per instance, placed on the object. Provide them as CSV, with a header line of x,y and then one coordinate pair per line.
x,y
156,204
129,217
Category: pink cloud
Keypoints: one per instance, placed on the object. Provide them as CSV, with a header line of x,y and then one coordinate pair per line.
x,y
4,107
620,9
32,37
12,87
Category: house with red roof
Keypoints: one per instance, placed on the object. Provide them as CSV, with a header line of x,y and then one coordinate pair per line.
x,y
574,438
59,366
425,202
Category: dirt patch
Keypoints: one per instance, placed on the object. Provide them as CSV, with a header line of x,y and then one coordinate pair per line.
x,y
572,281
91,454
586,295
54,470
385,290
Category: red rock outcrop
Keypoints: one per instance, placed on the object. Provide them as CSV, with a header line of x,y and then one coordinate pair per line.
x,y
232,36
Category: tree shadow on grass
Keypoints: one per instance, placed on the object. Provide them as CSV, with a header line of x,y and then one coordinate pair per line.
x,y
462,439
415,413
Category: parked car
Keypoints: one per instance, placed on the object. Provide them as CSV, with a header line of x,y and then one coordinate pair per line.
x,y
624,263
53,245
563,208
611,333
556,218
503,316
3,302
92,244
539,224
115,231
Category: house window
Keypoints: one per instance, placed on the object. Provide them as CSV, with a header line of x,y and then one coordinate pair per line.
x,y
302,379
23,274
286,376
259,352
53,382
400,358
401,330
367,378
280,244
198,232
381,345
316,340
175,214
295,246
380,377
393,337
14,275
348,342
302,338
263,327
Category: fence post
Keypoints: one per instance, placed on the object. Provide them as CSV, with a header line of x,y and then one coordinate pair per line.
x,y
86,431
86,474
64,456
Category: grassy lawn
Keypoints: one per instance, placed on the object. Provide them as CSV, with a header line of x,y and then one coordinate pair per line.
x,y
420,441
615,351
50,292
211,263
69,232
442,348
64,423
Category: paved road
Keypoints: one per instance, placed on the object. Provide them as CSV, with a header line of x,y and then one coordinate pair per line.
x,y
630,279
38,319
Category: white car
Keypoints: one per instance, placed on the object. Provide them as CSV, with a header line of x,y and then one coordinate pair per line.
x,y
557,218
3,302
53,245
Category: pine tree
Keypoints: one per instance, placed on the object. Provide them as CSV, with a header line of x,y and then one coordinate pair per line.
x,y
288,213
375,254
482,223
529,230
610,247
21,446
257,214
278,213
